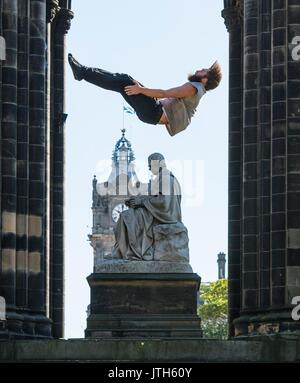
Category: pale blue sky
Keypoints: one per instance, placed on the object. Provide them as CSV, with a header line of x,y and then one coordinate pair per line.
x,y
158,42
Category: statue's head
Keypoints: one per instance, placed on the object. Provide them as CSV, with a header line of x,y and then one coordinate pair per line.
x,y
156,161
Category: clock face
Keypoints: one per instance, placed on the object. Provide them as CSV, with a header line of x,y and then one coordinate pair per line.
x,y
117,210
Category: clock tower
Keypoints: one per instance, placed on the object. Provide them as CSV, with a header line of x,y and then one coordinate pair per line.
x,y
108,199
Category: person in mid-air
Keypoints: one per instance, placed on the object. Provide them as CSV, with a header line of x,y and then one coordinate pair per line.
x,y
172,107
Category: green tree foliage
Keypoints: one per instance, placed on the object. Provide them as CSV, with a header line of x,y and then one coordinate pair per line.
x,y
213,310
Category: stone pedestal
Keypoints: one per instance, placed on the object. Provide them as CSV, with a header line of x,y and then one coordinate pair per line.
x,y
143,305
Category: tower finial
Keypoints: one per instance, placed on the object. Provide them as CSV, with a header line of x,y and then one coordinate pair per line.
x,y
124,146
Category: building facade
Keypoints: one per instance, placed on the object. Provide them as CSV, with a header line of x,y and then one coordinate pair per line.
x,y
108,199
264,165
32,115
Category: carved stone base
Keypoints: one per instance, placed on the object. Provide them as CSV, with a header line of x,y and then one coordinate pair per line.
x,y
25,326
143,305
265,324
171,242
121,266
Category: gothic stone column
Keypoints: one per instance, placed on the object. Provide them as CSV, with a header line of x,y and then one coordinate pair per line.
x,y
22,260
9,163
37,158
61,25
22,157
270,198
291,13
232,14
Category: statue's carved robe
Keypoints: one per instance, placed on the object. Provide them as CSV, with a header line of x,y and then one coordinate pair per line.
x,y
134,230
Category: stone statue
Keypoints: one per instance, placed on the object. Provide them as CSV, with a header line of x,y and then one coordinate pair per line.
x,y
151,229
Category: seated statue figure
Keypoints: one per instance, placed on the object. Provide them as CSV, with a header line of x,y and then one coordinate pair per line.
x,y
137,226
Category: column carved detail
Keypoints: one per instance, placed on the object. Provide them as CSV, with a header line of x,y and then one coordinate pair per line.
x,y
233,14
63,20
52,10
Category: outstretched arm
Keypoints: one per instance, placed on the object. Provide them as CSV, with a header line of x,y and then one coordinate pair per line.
x,y
185,90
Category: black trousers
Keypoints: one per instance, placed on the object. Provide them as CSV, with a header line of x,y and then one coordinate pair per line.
x,y
148,109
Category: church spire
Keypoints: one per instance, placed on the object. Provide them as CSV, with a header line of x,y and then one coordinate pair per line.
x,y
123,151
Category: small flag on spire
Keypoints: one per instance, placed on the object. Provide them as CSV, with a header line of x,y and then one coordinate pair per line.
x,y
128,109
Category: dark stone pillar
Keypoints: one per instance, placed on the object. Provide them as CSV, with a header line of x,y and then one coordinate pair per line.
x,y
51,12
61,25
251,154
37,158
2,325
9,163
22,156
1,33
292,156
278,174
264,62
25,181
232,14
270,225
